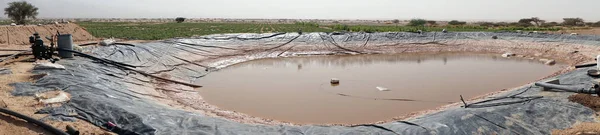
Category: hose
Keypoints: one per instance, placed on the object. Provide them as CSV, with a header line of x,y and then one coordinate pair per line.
x,y
568,88
34,121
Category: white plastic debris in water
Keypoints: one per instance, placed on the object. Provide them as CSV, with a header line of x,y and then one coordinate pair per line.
x,y
598,62
335,81
508,54
548,61
62,97
382,88
13,24
48,65
107,42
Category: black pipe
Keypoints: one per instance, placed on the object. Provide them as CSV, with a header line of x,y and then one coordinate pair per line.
x,y
585,65
569,88
86,44
34,121
72,131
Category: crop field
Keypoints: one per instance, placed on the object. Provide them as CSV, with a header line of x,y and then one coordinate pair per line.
x,y
157,31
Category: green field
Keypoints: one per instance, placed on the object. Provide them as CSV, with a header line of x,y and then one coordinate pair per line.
x,y
157,31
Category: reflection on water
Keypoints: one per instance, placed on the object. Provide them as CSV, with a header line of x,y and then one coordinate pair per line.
x,y
298,89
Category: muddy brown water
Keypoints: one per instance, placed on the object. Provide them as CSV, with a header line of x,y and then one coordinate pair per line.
x,y
297,89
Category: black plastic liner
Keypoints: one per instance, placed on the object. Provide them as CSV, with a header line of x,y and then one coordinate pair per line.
x,y
101,93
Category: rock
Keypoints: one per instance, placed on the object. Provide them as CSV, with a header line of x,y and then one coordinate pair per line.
x,y
506,55
4,71
61,97
494,37
13,24
550,62
39,24
335,81
47,65
107,42
382,88
573,34
77,48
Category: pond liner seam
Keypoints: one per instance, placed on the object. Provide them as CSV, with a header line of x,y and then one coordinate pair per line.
x,y
290,41
210,46
376,126
134,53
367,41
413,124
127,68
498,125
193,63
515,96
338,46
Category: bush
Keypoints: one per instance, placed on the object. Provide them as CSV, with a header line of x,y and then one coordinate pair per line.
x,y
456,22
573,22
179,19
417,22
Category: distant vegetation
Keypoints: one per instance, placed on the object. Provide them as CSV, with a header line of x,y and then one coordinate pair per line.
x,y
179,19
157,31
20,11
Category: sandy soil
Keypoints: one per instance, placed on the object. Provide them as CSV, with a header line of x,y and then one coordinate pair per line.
x,y
29,105
19,35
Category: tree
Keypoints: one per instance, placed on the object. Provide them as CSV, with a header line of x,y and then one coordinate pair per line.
x,y
525,22
456,22
596,24
20,11
180,19
550,24
431,22
487,24
396,21
573,22
417,22
538,22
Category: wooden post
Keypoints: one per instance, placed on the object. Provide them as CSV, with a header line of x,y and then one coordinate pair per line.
x,y
7,36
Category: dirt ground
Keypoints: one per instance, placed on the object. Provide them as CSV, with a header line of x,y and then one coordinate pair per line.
x,y
18,35
28,105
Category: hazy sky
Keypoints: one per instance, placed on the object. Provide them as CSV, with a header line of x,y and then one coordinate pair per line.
x,y
496,10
